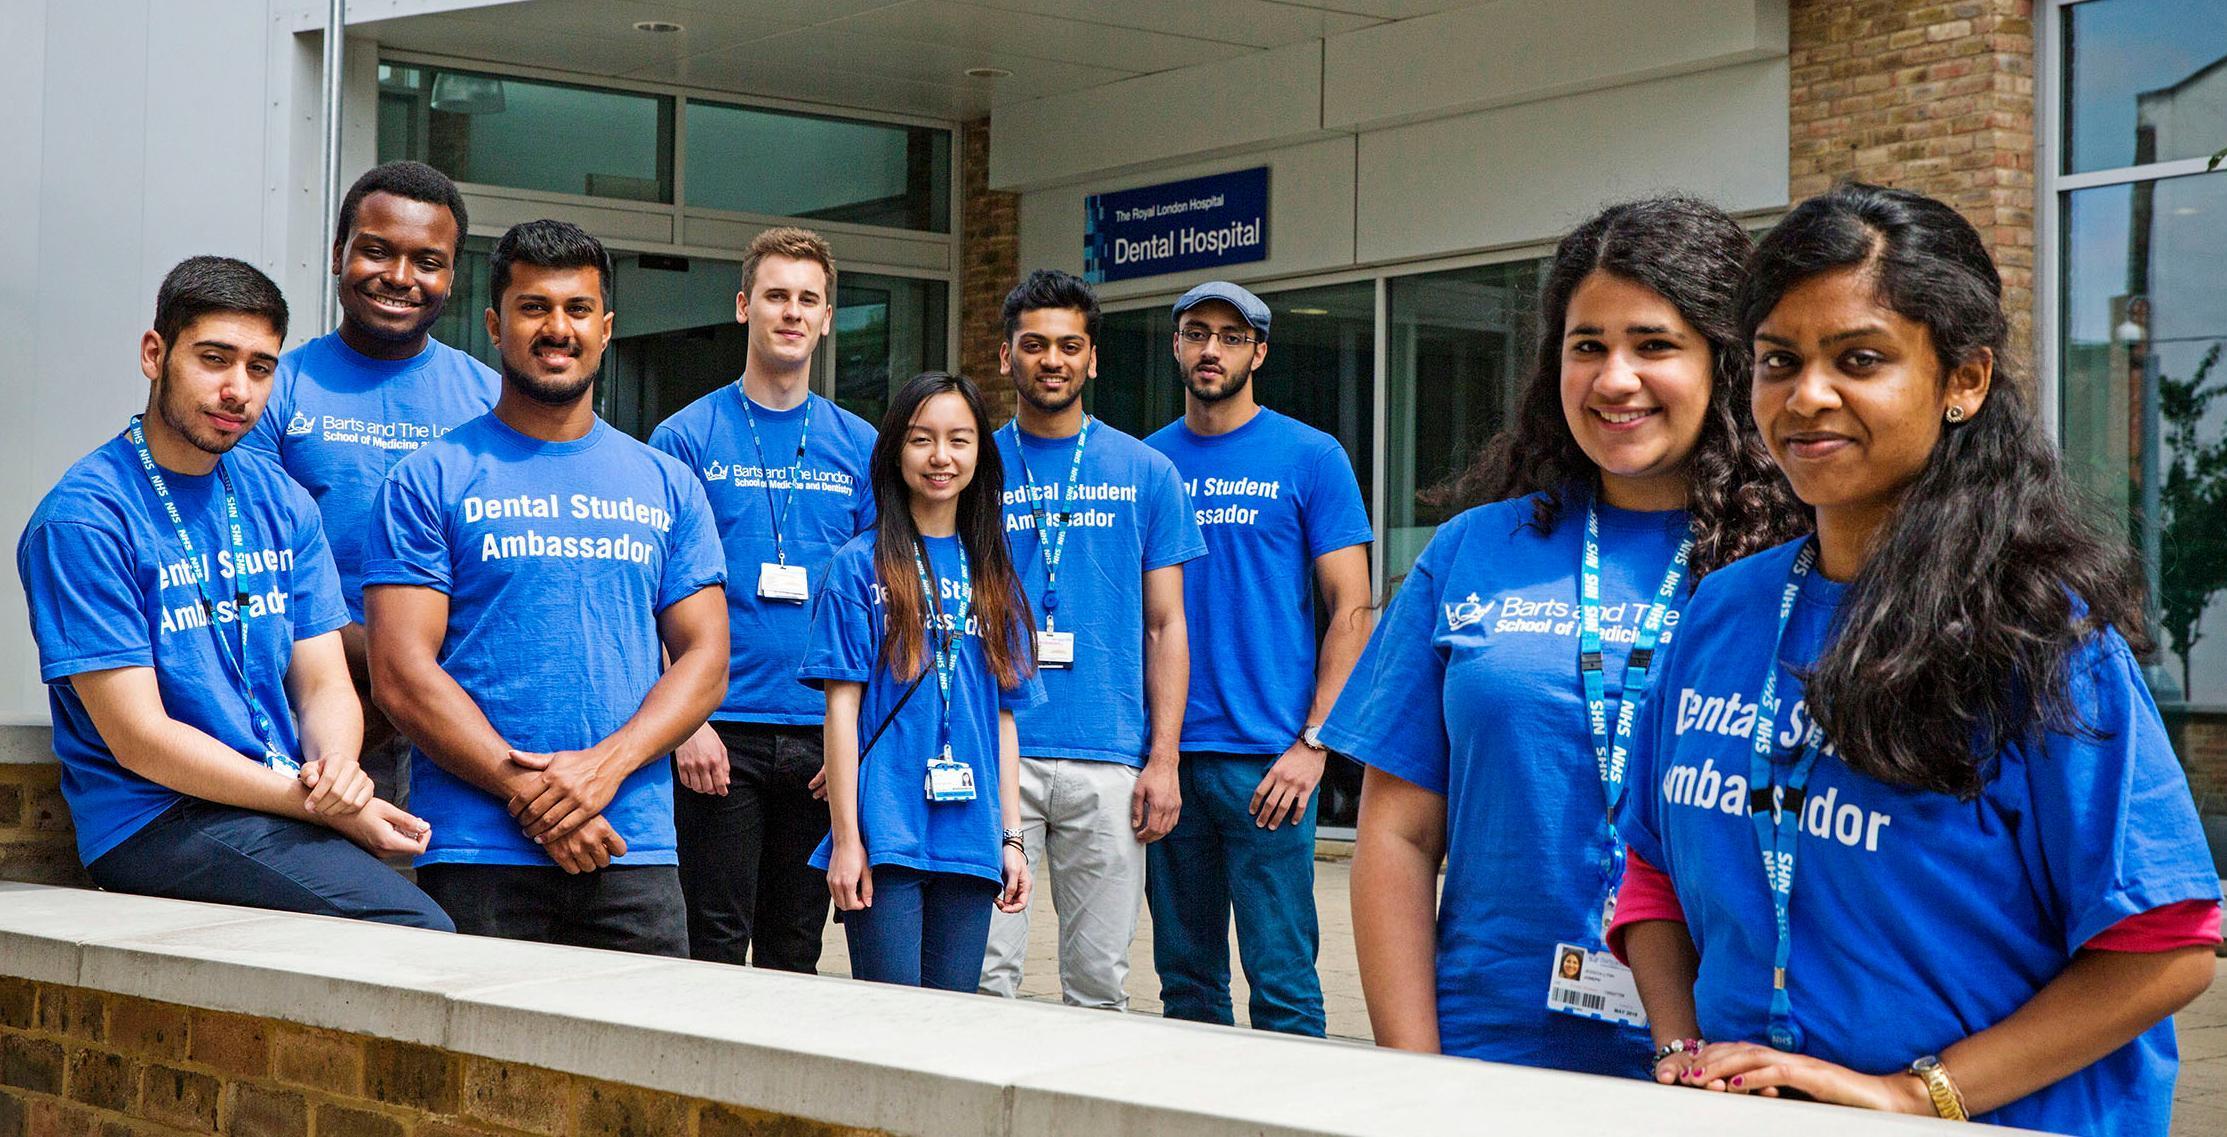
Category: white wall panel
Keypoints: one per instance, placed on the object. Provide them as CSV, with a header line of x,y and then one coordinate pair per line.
x,y
1191,113
1513,51
1526,173
1310,217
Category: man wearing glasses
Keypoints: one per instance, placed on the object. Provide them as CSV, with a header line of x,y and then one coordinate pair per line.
x,y
1275,498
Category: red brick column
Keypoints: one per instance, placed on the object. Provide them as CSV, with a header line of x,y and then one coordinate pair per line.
x,y
1928,96
989,265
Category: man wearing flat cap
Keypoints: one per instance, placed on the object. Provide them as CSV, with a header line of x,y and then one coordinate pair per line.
x,y
1283,519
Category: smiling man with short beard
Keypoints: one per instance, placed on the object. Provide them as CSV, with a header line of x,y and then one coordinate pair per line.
x,y
528,577
346,406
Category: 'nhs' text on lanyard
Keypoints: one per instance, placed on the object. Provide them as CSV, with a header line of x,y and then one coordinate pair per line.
x,y
1054,648
1776,806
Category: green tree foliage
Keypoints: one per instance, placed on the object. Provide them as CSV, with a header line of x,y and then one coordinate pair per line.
x,y
2193,502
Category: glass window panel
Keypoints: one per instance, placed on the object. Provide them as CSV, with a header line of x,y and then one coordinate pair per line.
x,y
2145,424
2145,81
463,322
887,330
528,134
1462,348
825,169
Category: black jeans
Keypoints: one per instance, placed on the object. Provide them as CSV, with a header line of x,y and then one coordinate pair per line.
x,y
633,908
743,857
200,850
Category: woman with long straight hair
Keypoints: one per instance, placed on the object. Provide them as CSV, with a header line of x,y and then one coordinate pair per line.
x,y
1493,703
1918,840
920,638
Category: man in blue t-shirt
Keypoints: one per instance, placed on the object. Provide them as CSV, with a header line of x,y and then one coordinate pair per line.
x,y
785,471
346,406
1283,517
526,579
1099,527
187,619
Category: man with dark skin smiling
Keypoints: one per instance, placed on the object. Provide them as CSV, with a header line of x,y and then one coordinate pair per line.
x,y
526,578
347,406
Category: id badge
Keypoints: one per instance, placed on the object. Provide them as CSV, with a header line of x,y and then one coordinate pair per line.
x,y
950,780
1055,649
280,762
782,582
1592,985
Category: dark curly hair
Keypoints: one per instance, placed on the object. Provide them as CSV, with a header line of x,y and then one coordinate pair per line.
x,y
1955,639
1689,253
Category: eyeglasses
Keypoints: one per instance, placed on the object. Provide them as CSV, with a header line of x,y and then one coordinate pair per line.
x,y
1196,336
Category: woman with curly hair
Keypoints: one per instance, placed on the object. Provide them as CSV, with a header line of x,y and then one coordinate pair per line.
x,y
1906,829
1494,704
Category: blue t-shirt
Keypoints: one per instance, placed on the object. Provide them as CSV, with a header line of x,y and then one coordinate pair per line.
x,y
1128,516
1918,919
109,586
338,420
895,818
1469,688
1271,496
556,558
831,503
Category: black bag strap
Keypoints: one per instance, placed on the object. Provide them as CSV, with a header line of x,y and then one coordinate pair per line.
x,y
890,718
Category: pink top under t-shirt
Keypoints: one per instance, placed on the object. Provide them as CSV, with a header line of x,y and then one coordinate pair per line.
x,y
1646,894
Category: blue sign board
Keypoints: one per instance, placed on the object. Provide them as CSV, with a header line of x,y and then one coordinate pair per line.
x,y
1220,219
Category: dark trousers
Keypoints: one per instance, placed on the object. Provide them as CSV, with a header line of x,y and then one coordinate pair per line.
x,y
633,908
743,857
199,850
924,929
1216,864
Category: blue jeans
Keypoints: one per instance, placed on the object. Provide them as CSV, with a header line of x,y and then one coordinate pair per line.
x,y
1215,862
199,850
924,929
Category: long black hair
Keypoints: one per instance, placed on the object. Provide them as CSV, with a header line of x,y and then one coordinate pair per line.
x,y
1955,639
1001,614
1689,253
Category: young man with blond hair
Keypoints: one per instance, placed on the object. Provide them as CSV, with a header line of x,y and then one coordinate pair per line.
x,y
786,473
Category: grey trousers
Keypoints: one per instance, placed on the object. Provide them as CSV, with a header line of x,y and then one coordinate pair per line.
x,y
1075,817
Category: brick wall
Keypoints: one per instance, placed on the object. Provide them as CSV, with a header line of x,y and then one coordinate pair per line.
x,y
79,1061
1933,97
37,842
989,266
2203,750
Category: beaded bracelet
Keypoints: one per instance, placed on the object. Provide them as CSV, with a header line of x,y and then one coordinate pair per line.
x,y
1677,1046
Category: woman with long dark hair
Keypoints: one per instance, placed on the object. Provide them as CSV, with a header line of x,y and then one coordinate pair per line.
x,y
1933,851
921,640
1494,701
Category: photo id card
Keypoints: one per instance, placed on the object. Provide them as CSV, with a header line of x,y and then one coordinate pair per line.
x,y
1592,985
950,780
1055,649
782,582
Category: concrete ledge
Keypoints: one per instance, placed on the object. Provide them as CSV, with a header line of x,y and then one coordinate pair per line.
x,y
833,1051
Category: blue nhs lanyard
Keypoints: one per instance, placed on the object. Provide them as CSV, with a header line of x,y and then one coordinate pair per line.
x,y
765,474
1052,544
1776,807
1613,757
233,655
944,644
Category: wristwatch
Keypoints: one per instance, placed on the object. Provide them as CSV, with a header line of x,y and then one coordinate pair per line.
x,y
1311,738
1947,1101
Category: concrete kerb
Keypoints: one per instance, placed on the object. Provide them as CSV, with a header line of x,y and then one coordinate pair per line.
x,y
833,1050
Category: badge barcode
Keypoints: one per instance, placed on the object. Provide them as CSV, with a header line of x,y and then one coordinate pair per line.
x,y
1581,999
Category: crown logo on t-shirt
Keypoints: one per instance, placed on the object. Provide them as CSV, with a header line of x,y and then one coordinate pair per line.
x,y
716,472
1462,615
300,424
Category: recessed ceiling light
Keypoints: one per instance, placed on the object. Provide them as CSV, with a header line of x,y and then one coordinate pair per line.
x,y
658,26
988,73
2187,211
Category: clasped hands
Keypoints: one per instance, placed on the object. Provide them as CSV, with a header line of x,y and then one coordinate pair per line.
x,y
558,801
1751,1068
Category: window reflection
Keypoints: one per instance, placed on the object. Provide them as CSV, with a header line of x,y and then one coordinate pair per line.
x,y
823,169
2145,81
527,133
887,330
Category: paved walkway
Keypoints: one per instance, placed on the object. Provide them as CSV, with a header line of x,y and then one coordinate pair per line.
x,y
2199,1111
